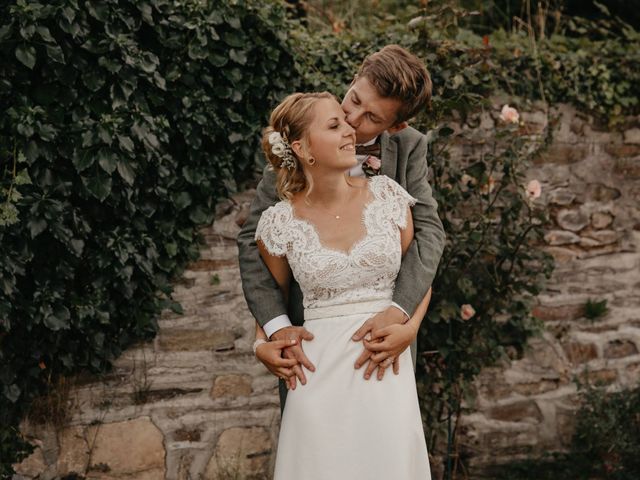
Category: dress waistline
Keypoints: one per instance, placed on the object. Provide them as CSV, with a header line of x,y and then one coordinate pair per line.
x,y
354,308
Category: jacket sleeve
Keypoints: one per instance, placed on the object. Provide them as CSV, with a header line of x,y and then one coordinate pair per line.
x,y
264,298
420,262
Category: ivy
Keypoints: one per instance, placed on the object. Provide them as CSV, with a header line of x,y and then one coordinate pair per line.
x,y
124,122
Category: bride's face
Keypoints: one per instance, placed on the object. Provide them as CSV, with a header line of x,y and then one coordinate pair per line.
x,y
330,139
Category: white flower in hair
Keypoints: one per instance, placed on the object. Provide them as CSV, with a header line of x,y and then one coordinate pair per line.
x,y
275,137
281,149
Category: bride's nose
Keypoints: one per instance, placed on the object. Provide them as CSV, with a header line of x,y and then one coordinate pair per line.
x,y
349,130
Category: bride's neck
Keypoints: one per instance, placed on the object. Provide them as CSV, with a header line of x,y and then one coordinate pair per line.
x,y
330,191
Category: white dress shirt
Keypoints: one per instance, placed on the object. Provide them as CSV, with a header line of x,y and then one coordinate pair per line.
x,y
283,321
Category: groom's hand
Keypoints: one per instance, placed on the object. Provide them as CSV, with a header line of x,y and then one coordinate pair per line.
x,y
295,352
390,316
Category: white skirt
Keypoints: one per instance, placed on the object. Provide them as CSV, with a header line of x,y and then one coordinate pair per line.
x,y
340,426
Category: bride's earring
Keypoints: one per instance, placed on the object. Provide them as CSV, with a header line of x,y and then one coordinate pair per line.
x,y
311,161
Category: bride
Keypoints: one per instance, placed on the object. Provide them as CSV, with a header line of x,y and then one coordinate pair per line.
x,y
343,239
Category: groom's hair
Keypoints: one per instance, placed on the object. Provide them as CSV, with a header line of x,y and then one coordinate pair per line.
x,y
396,73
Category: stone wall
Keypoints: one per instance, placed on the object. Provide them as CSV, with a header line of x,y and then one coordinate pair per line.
x,y
591,186
194,404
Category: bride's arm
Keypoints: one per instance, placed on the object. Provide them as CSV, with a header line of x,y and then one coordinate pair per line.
x,y
289,338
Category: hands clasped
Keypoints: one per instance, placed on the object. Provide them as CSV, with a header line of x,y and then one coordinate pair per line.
x,y
384,336
283,355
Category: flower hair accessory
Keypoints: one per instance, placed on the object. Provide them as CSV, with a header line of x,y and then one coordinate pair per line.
x,y
281,149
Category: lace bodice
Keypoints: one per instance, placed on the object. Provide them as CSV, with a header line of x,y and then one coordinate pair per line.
x,y
328,276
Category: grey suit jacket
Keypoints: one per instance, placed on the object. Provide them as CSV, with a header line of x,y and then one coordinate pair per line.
x,y
404,158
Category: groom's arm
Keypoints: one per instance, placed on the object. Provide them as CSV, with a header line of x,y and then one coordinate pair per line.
x,y
420,263
264,298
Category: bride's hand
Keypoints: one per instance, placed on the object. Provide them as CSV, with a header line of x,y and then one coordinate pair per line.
x,y
270,354
386,345
390,316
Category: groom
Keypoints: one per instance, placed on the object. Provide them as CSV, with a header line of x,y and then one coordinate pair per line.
x,y
391,86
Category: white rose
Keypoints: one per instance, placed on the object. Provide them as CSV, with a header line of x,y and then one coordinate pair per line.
x,y
275,137
277,149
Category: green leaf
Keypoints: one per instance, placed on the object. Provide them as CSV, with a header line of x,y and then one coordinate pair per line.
x,y
36,226
59,320
107,160
99,186
27,55
126,172
83,159
12,392
55,53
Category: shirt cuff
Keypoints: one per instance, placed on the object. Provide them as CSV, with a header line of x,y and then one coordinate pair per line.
x,y
278,323
401,309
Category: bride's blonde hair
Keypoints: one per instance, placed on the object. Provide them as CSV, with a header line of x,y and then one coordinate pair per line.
x,y
291,119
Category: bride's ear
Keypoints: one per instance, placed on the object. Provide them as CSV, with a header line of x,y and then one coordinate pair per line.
x,y
298,148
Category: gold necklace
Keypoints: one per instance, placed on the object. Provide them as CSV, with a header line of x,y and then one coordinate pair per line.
x,y
337,217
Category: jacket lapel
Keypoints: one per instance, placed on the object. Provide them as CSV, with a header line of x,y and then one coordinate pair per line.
x,y
389,155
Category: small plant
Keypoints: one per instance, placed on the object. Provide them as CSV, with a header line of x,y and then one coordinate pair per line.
x,y
605,444
594,309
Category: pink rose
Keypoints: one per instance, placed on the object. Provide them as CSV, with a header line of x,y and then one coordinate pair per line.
x,y
509,114
467,311
534,189
488,187
373,162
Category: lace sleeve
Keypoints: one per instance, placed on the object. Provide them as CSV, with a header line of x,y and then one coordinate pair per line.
x,y
270,232
398,200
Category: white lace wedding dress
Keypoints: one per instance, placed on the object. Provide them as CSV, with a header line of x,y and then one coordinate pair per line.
x,y
340,426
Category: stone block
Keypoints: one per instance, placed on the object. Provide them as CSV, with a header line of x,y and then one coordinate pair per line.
x,y
598,377
241,453
621,151
74,451
516,412
33,465
599,192
627,167
535,388
231,386
127,448
578,353
601,220
573,220
561,237
561,196
600,238
632,136
559,312
190,340
562,154
620,348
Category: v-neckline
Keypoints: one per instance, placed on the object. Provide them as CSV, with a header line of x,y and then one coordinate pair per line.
x,y
363,219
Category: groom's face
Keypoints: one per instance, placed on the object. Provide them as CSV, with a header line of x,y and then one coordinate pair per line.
x,y
368,112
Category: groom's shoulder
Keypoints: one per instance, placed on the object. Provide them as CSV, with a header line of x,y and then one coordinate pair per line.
x,y
408,136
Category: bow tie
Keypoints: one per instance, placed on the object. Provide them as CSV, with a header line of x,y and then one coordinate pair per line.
x,y
373,150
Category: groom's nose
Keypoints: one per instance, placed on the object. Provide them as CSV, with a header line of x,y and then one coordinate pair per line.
x,y
353,118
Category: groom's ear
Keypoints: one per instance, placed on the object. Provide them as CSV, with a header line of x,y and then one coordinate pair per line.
x,y
397,127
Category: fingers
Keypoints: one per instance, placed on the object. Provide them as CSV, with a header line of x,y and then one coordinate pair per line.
x,y
374,346
299,373
302,358
380,357
396,365
285,362
362,331
306,334
280,344
381,332
383,367
364,356
370,369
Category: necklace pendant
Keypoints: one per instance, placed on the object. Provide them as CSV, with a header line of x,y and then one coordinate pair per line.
x,y
337,217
